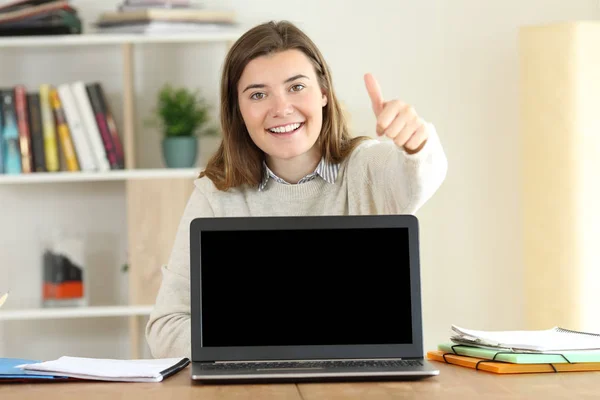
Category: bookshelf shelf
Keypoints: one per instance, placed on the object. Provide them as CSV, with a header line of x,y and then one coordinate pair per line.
x,y
111,39
116,175
74,312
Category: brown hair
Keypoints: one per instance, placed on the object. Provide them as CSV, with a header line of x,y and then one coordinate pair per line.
x,y
238,161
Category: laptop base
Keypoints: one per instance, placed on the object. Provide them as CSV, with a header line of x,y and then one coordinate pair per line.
x,y
202,375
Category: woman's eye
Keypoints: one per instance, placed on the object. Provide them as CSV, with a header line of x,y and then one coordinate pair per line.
x,y
257,96
297,88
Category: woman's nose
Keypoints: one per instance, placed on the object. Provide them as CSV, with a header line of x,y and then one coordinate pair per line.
x,y
281,106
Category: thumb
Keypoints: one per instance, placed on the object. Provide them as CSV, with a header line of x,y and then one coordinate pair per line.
x,y
374,93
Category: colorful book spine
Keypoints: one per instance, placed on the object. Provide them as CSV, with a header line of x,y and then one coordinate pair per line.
x,y
88,118
10,133
37,132
49,129
110,122
64,134
83,148
22,111
107,139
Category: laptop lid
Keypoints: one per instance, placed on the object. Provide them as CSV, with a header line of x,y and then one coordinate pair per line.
x,y
314,287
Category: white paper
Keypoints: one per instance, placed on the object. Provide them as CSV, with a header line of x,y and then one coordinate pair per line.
x,y
146,370
534,340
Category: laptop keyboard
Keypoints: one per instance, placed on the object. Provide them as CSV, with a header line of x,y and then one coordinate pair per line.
x,y
315,364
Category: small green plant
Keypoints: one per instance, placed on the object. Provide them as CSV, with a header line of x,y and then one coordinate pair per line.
x,y
182,112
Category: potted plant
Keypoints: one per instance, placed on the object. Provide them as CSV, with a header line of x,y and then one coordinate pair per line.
x,y
183,116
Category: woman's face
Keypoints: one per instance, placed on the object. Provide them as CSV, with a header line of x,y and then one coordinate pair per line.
x,y
281,102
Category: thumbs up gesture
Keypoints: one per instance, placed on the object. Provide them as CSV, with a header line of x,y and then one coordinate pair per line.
x,y
396,119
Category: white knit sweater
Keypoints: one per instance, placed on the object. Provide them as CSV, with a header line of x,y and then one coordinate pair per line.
x,y
377,178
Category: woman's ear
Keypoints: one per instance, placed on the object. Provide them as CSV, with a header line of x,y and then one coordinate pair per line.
x,y
323,99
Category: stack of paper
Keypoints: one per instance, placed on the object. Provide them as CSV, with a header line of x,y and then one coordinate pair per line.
x,y
153,370
551,350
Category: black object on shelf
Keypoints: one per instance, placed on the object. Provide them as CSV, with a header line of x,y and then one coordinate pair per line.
x,y
52,18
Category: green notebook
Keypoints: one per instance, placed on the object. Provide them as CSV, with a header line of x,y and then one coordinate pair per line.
x,y
580,356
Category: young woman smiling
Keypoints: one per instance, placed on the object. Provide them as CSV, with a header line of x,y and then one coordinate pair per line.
x,y
287,150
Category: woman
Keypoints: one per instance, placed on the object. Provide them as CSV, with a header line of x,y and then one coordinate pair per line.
x,y
286,150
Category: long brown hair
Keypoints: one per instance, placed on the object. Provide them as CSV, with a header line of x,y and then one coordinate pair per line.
x,y
238,161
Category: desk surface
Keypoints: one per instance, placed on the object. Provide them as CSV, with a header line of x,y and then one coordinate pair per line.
x,y
454,382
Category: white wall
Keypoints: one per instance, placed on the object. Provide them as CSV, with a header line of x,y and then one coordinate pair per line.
x,y
455,60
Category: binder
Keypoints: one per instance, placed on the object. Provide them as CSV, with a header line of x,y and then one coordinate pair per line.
x,y
521,357
10,373
499,367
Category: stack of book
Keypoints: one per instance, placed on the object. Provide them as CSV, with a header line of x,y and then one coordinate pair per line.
x,y
514,352
163,17
51,128
39,17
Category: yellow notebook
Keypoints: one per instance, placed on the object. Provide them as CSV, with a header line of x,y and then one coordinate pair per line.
x,y
499,367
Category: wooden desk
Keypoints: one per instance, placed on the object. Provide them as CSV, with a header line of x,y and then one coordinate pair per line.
x,y
453,383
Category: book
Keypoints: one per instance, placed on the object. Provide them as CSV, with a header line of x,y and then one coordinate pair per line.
x,y
84,106
21,5
162,27
83,146
143,370
10,134
48,129
97,91
500,367
574,356
22,11
22,111
63,132
168,14
555,339
56,22
37,132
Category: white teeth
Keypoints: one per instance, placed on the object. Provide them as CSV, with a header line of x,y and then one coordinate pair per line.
x,y
286,128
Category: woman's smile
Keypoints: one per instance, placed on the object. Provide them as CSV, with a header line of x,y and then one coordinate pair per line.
x,y
285,130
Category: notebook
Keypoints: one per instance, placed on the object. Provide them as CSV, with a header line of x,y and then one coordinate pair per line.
x,y
499,367
573,356
549,340
298,316
145,370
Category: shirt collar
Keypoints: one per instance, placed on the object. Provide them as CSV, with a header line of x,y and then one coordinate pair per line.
x,y
326,170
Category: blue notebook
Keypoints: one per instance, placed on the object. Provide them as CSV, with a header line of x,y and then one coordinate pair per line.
x,y
10,373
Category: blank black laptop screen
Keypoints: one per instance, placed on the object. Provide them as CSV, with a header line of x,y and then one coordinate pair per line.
x,y
305,287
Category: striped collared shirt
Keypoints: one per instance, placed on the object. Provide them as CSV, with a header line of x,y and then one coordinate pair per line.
x,y
326,170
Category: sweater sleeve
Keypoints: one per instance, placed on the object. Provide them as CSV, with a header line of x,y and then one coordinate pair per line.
x,y
168,332
396,182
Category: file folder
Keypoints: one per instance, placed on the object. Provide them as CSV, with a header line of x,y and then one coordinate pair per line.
x,y
500,367
578,356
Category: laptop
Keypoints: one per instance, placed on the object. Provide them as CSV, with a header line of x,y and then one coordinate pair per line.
x,y
311,298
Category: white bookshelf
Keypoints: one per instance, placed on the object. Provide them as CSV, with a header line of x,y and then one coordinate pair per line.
x,y
74,312
154,198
